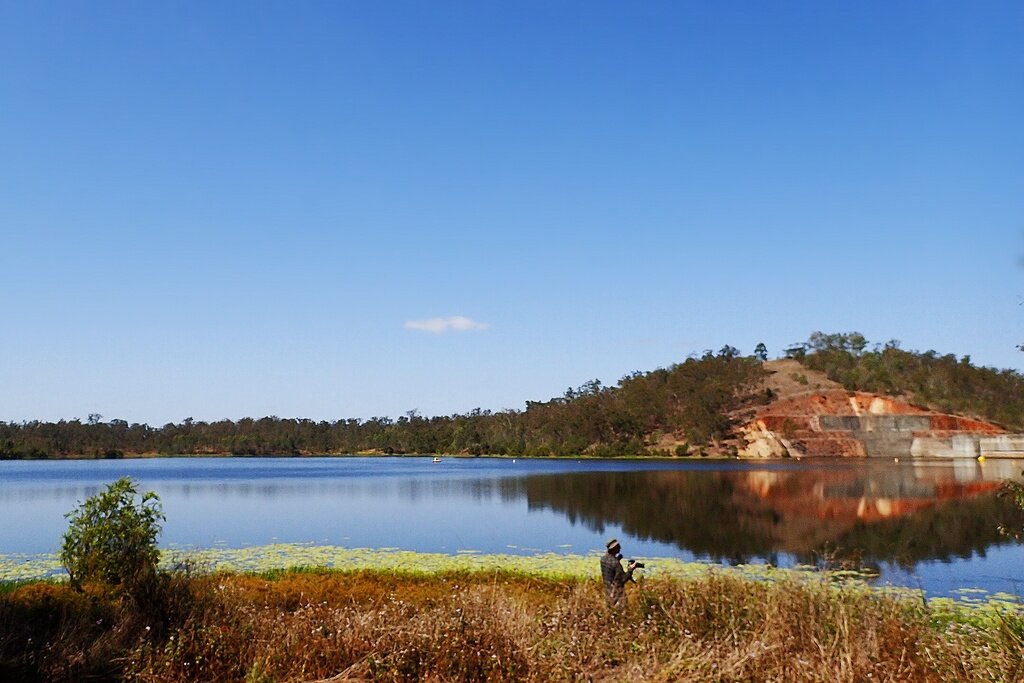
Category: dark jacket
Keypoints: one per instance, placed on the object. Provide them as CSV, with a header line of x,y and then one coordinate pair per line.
x,y
614,577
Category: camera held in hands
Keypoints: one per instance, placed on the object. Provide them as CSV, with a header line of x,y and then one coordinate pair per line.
x,y
633,563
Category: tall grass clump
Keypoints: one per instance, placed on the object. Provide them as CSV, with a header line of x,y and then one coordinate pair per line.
x,y
384,625
480,627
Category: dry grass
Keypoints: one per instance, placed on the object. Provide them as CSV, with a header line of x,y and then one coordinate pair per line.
x,y
487,626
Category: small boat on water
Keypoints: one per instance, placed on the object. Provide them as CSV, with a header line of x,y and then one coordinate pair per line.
x,y
437,458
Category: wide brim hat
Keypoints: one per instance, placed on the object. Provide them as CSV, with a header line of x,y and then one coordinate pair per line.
x,y
611,543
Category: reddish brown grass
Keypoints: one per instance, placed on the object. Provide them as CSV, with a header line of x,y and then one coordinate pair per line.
x,y
496,627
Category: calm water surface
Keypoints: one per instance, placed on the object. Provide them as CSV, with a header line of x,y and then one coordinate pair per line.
x,y
921,524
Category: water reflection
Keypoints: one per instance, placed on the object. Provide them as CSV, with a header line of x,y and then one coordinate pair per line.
x,y
866,513
861,515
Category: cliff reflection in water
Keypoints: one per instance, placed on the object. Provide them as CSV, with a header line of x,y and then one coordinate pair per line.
x,y
864,514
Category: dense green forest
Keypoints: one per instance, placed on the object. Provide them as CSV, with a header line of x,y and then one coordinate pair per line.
x,y
692,399
941,382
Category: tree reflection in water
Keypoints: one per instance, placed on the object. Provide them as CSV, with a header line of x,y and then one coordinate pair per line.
x,y
851,516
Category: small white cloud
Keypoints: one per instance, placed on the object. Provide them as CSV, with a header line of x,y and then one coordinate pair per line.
x,y
455,323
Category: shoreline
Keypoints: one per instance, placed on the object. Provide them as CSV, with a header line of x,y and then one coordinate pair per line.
x,y
374,454
466,456
284,558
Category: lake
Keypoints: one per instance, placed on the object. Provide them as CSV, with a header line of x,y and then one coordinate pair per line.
x,y
928,524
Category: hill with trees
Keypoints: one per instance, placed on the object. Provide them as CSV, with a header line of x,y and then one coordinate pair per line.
x,y
688,408
693,399
943,383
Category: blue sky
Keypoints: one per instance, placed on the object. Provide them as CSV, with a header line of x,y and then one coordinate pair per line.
x,y
242,209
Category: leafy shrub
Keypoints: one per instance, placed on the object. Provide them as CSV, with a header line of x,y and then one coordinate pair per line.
x,y
1015,491
111,538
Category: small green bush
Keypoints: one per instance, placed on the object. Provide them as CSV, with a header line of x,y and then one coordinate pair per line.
x,y
1015,491
111,538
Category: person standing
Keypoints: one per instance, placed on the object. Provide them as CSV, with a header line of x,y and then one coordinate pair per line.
x,y
613,575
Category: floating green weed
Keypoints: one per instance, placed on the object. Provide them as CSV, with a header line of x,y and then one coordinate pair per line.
x,y
260,559
969,605
24,567
987,612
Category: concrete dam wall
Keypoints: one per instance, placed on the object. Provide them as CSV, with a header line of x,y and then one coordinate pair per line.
x,y
1007,445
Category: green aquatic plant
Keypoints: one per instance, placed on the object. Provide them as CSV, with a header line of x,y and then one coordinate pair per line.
x,y
276,559
25,567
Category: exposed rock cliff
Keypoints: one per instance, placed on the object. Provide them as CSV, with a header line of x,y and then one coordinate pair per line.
x,y
830,421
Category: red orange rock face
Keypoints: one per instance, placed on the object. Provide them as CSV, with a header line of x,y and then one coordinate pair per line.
x,y
843,423
954,423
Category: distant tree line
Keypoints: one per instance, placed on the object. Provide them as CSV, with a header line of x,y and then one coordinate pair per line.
x,y
941,382
692,400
